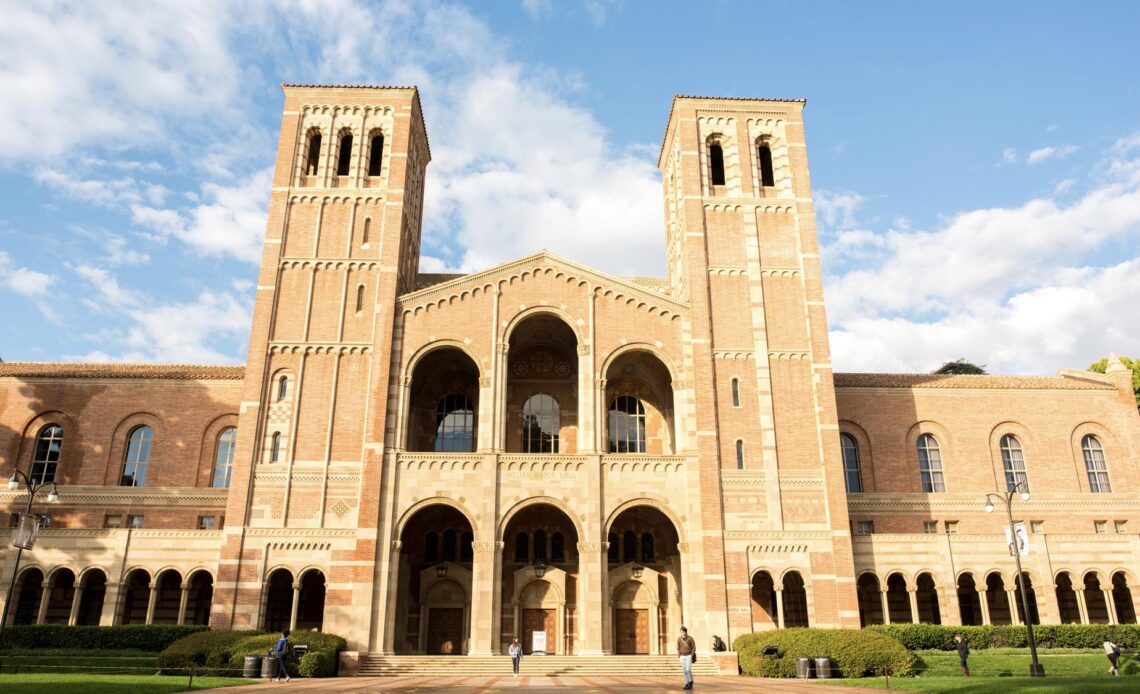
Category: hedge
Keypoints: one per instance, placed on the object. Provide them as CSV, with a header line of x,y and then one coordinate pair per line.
x,y
143,637
853,653
917,637
224,652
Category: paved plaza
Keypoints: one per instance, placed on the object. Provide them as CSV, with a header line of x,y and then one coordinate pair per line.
x,y
493,685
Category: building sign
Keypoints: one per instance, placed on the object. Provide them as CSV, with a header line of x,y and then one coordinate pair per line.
x,y
1022,539
538,642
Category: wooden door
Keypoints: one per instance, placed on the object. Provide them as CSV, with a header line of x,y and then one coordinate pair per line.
x,y
538,620
445,631
631,631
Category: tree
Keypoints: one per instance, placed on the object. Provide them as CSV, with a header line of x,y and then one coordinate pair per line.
x,y
1132,364
960,366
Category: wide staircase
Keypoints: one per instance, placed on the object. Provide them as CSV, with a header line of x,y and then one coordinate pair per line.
x,y
534,666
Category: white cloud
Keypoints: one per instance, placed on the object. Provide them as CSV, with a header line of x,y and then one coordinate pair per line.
x,y
994,285
837,210
1039,155
22,280
1063,186
1009,155
104,192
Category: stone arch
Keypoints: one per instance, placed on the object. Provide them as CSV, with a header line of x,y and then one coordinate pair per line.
x,y
134,595
92,581
541,356
442,390
897,587
868,590
1064,590
765,606
59,592
640,372
926,597
523,504
653,502
29,593
425,350
654,350
525,314
997,587
969,604
1096,606
277,598
418,506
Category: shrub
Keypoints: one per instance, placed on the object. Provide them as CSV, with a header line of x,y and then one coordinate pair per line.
x,y
143,637
316,664
208,652
853,653
224,652
941,637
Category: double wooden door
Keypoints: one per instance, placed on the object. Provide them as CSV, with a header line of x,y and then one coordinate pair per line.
x,y
631,632
538,620
445,631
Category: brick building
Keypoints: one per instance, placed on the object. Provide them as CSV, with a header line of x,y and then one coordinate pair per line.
x,y
435,463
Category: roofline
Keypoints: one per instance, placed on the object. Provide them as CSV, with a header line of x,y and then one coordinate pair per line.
x,y
286,86
673,107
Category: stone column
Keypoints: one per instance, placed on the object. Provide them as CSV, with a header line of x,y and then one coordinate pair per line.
x,y
1014,608
481,640
151,602
984,601
593,599
110,614
1081,606
1113,618
76,599
45,598
182,600
912,593
293,608
387,643
779,607
886,607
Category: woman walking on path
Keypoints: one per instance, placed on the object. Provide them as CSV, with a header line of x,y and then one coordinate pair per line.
x,y
515,651
1113,652
963,653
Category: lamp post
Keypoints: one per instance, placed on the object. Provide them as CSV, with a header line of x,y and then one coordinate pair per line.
x,y
28,524
1021,488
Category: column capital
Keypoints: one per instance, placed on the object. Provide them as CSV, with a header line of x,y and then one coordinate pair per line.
x,y
592,546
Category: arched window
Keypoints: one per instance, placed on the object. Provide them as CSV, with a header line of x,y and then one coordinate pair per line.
x,y
449,548
455,424
1095,465
366,235
224,458
557,548
541,422
431,546
739,454
764,156
613,552
1013,461
313,160
540,545
736,392
648,553
522,548
275,448
930,464
629,546
466,547
282,387
137,458
359,298
375,155
716,164
344,160
851,463
48,444
627,425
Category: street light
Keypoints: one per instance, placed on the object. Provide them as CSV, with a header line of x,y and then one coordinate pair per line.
x,y
1035,668
26,532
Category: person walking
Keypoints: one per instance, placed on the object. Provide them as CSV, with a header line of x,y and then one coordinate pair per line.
x,y
687,654
282,649
515,651
1113,652
963,653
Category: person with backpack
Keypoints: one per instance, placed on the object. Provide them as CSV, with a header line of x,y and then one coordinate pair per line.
x,y
687,654
282,651
1113,652
963,653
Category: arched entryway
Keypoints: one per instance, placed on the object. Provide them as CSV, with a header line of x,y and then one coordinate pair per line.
x,y
93,587
898,601
135,597
60,596
644,575
926,596
1122,598
997,599
433,605
169,599
29,591
311,601
278,600
1095,604
795,600
639,405
1067,599
870,599
765,610
1033,616
443,406
199,598
969,604
542,387
540,579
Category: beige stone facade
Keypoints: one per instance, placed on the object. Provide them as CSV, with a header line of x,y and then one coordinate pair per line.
x,y
436,463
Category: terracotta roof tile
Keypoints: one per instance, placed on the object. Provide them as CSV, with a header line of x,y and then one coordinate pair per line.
x,y
177,372
429,279
865,380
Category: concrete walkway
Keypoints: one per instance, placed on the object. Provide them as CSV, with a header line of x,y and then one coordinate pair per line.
x,y
495,685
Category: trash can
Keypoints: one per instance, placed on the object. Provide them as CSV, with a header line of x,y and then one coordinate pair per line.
x,y
269,666
252,666
823,668
805,668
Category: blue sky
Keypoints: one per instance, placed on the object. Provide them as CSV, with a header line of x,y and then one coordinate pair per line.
x,y
976,166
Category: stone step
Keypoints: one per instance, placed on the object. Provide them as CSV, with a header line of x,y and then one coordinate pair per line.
x,y
463,666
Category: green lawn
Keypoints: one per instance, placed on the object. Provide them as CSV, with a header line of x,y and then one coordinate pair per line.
x,y
109,684
107,664
1000,685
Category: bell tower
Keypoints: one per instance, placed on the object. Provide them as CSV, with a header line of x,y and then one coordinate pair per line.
x,y
342,241
742,249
